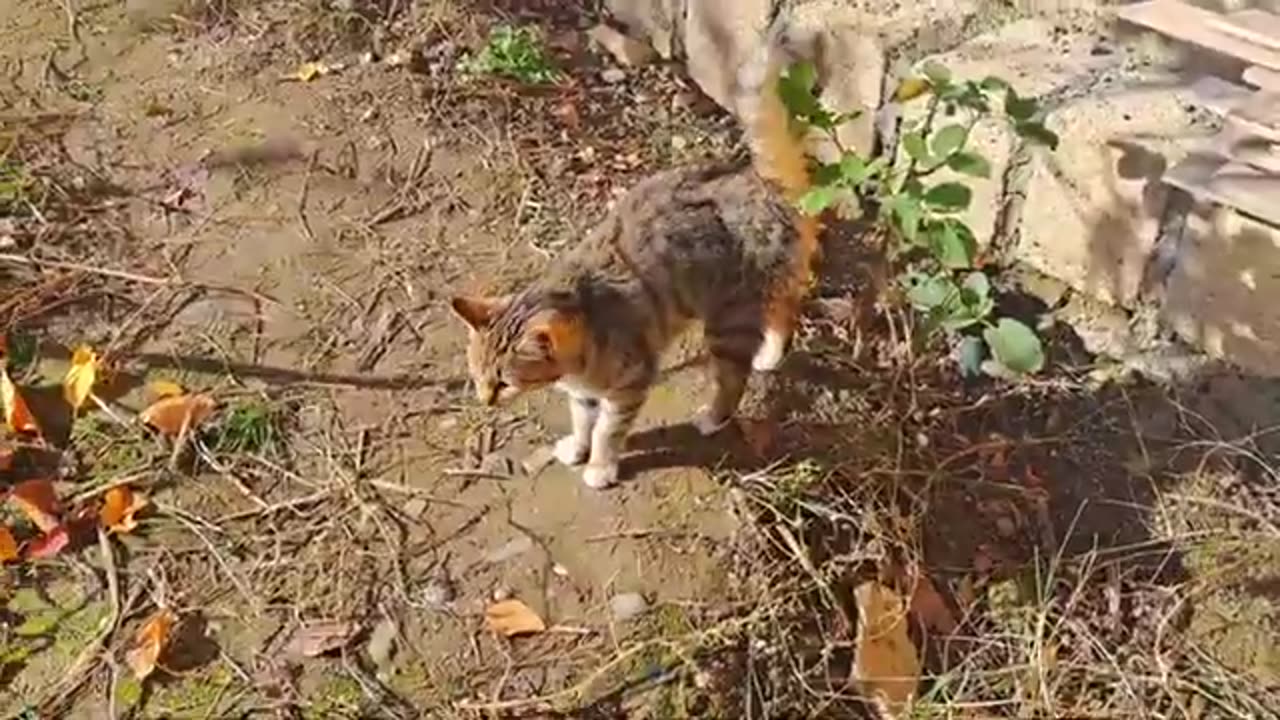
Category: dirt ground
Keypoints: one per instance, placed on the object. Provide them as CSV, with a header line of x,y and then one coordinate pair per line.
x,y
1099,548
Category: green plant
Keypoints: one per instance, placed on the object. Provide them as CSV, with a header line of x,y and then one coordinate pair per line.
x,y
514,52
248,428
937,250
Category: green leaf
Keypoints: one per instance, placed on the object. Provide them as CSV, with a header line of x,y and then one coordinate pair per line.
x,y
928,292
977,284
795,88
970,355
991,83
913,143
970,163
1015,346
1019,108
817,199
949,196
1037,133
937,73
949,139
907,213
952,243
853,170
827,174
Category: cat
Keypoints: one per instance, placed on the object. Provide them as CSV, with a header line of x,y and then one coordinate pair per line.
x,y
718,242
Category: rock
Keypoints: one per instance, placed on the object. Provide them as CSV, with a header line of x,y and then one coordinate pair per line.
x,y
382,643
627,606
438,592
659,21
626,50
1219,294
719,36
1093,208
613,75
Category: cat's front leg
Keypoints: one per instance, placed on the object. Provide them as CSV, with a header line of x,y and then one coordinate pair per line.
x,y
574,448
608,437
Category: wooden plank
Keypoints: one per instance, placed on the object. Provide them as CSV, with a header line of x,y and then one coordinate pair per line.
x,y
1229,183
1261,77
1256,26
1260,114
1193,25
1215,94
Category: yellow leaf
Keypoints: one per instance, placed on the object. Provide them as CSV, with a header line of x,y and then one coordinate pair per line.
x,y
16,413
885,662
169,415
164,388
149,643
118,508
512,617
911,88
80,378
310,71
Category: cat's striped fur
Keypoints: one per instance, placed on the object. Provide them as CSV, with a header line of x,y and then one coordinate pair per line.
x,y
716,243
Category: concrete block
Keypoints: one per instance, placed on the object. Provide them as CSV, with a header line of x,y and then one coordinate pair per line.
x,y
1092,210
719,36
1221,293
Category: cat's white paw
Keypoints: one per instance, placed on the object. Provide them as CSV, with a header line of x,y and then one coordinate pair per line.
x,y
600,476
569,451
771,351
708,424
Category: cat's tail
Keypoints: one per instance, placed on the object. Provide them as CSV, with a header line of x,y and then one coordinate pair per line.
x,y
778,151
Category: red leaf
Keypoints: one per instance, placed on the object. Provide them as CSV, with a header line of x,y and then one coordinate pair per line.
x,y
49,544
38,501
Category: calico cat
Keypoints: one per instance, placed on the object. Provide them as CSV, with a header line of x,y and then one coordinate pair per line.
x,y
719,243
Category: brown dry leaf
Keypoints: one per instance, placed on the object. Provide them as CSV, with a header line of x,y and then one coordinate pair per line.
x,y
318,638
886,665
164,388
38,501
16,413
6,458
512,618
929,605
150,642
170,414
8,546
81,376
118,509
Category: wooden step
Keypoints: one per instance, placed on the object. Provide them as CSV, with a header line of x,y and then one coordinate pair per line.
x,y
1203,28
1231,183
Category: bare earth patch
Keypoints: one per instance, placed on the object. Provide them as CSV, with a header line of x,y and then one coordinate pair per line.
x,y
180,191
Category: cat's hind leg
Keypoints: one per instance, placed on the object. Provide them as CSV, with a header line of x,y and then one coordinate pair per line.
x,y
783,298
730,343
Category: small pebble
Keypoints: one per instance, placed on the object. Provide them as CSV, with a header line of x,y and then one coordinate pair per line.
x,y
438,592
627,606
613,75
560,570
501,593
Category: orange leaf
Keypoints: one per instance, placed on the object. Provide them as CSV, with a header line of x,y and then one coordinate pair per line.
x,y
81,376
8,546
885,662
38,501
169,415
49,544
149,643
119,507
6,458
928,605
512,617
16,413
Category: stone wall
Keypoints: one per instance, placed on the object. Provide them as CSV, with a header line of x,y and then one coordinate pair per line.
x,y
1088,216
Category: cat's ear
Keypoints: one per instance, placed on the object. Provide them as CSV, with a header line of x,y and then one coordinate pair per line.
x,y
557,334
477,312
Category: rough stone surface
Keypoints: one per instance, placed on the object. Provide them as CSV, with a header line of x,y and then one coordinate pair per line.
x,y
851,65
660,21
1221,293
1030,55
719,36
1093,208
626,50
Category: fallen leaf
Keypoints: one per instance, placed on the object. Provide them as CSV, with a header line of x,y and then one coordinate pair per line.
x,y
38,501
6,458
164,388
886,665
169,415
910,89
8,546
929,605
81,376
309,71
16,413
49,544
318,638
149,643
512,618
118,509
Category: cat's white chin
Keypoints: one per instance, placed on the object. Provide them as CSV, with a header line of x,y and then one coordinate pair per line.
x,y
569,451
707,424
773,348
600,476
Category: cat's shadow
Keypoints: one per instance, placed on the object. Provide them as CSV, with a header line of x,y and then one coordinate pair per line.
x,y
682,446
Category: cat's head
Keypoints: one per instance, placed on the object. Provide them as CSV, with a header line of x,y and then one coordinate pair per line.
x,y
517,344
